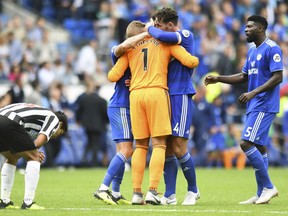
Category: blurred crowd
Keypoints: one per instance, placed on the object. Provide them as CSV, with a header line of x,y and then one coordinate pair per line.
x,y
39,70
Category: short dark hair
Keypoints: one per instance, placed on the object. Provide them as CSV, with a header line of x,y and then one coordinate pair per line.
x,y
166,15
62,118
259,19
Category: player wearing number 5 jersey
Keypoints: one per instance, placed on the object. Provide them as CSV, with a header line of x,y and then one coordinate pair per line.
x,y
149,105
263,71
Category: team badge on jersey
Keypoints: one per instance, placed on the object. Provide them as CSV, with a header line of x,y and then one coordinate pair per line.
x,y
277,57
33,134
185,33
259,56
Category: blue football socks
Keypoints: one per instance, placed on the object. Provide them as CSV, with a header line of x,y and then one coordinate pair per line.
x,y
170,175
188,169
260,166
117,180
258,180
116,168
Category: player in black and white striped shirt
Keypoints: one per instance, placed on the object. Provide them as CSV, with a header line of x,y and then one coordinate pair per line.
x,y
24,128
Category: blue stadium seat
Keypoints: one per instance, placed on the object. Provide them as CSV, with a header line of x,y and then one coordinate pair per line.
x,y
85,24
78,32
70,24
89,34
76,36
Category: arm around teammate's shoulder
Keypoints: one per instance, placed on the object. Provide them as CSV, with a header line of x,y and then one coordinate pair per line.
x,y
183,56
164,36
129,43
118,70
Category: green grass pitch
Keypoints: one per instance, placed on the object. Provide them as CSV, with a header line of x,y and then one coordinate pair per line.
x,y
71,193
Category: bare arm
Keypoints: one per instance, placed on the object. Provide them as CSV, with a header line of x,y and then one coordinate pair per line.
x,y
129,43
40,140
232,79
5,100
41,156
270,84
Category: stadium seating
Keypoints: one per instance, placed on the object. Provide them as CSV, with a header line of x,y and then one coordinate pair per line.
x,y
70,24
80,30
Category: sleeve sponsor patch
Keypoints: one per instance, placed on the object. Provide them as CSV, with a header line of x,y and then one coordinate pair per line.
x,y
277,57
185,33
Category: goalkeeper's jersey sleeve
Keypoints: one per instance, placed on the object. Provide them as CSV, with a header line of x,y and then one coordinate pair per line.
x,y
148,62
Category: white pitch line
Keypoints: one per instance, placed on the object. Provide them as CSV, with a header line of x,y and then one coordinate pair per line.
x,y
170,210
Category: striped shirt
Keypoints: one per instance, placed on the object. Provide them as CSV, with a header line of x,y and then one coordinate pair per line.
x,y
35,119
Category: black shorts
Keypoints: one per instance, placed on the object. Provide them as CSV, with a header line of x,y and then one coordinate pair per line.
x,y
13,137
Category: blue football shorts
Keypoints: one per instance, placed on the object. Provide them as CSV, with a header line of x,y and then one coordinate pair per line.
x,y
182,107
120,124
256,129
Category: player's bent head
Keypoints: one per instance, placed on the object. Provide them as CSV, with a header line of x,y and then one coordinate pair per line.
x,y
63,119
166,14
134,28
260,20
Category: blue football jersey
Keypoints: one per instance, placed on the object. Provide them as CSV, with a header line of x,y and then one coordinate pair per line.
x,y
260,64
120,97
179,76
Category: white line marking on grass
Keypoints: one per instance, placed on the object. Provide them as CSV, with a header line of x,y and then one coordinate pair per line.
x,y
170,210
